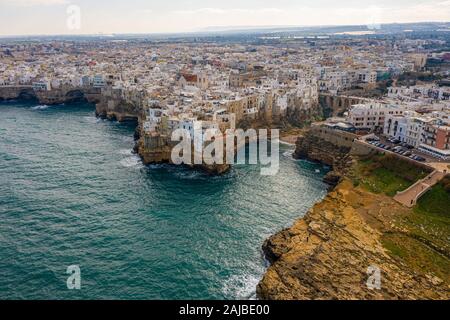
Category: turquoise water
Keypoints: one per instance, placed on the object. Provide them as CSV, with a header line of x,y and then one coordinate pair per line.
x,y
72,193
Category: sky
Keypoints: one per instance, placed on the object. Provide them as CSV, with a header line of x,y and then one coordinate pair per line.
x,y
32,17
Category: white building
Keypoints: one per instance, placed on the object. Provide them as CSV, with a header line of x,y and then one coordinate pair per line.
x,y
153,120
408,128
98,81
43,85
368,76
372,115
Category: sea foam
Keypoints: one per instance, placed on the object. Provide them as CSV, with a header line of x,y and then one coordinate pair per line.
x,y
130,162
41,107
241,287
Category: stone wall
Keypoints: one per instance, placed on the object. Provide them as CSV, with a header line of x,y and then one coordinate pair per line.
x,y
64,94
338,138
360,148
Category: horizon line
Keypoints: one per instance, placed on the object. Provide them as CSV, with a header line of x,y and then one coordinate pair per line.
x,y
204,30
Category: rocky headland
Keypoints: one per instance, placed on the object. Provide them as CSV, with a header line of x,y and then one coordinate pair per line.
x,y
328,253
161,152
109,104
311,147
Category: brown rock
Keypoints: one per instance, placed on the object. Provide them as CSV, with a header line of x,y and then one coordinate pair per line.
x,y
326,255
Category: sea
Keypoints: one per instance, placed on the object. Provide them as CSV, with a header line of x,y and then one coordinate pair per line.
x,y
72,193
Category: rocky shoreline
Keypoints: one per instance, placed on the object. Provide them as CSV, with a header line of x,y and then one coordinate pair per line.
x,y
310,147
108,105
327,253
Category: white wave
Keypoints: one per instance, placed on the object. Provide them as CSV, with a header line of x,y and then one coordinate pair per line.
x,y
130,162
189,175
126,152
42,107
288,154
157,166
127,139
287,143
92,120
241,287
317,171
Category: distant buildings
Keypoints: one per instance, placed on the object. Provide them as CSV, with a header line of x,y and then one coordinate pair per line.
x,y
98,81
427,93
371,116
42,86
436,136
184,85
406,128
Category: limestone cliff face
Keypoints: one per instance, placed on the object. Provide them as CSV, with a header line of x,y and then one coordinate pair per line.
x,y
326,254
64,94
313,148
118,109
215,169
158,150
300,117
17,92
108,105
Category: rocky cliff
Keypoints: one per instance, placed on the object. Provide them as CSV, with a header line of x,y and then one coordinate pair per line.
x,y
118,109
64,94
313,148
17,92
158,149
326,255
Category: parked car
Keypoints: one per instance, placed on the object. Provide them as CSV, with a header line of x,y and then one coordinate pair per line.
x,y
394,141
421,159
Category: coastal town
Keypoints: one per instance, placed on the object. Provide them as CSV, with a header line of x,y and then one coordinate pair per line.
x,y
219,86
374,109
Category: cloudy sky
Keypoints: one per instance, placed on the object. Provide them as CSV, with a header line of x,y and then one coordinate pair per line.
x,y
19,17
